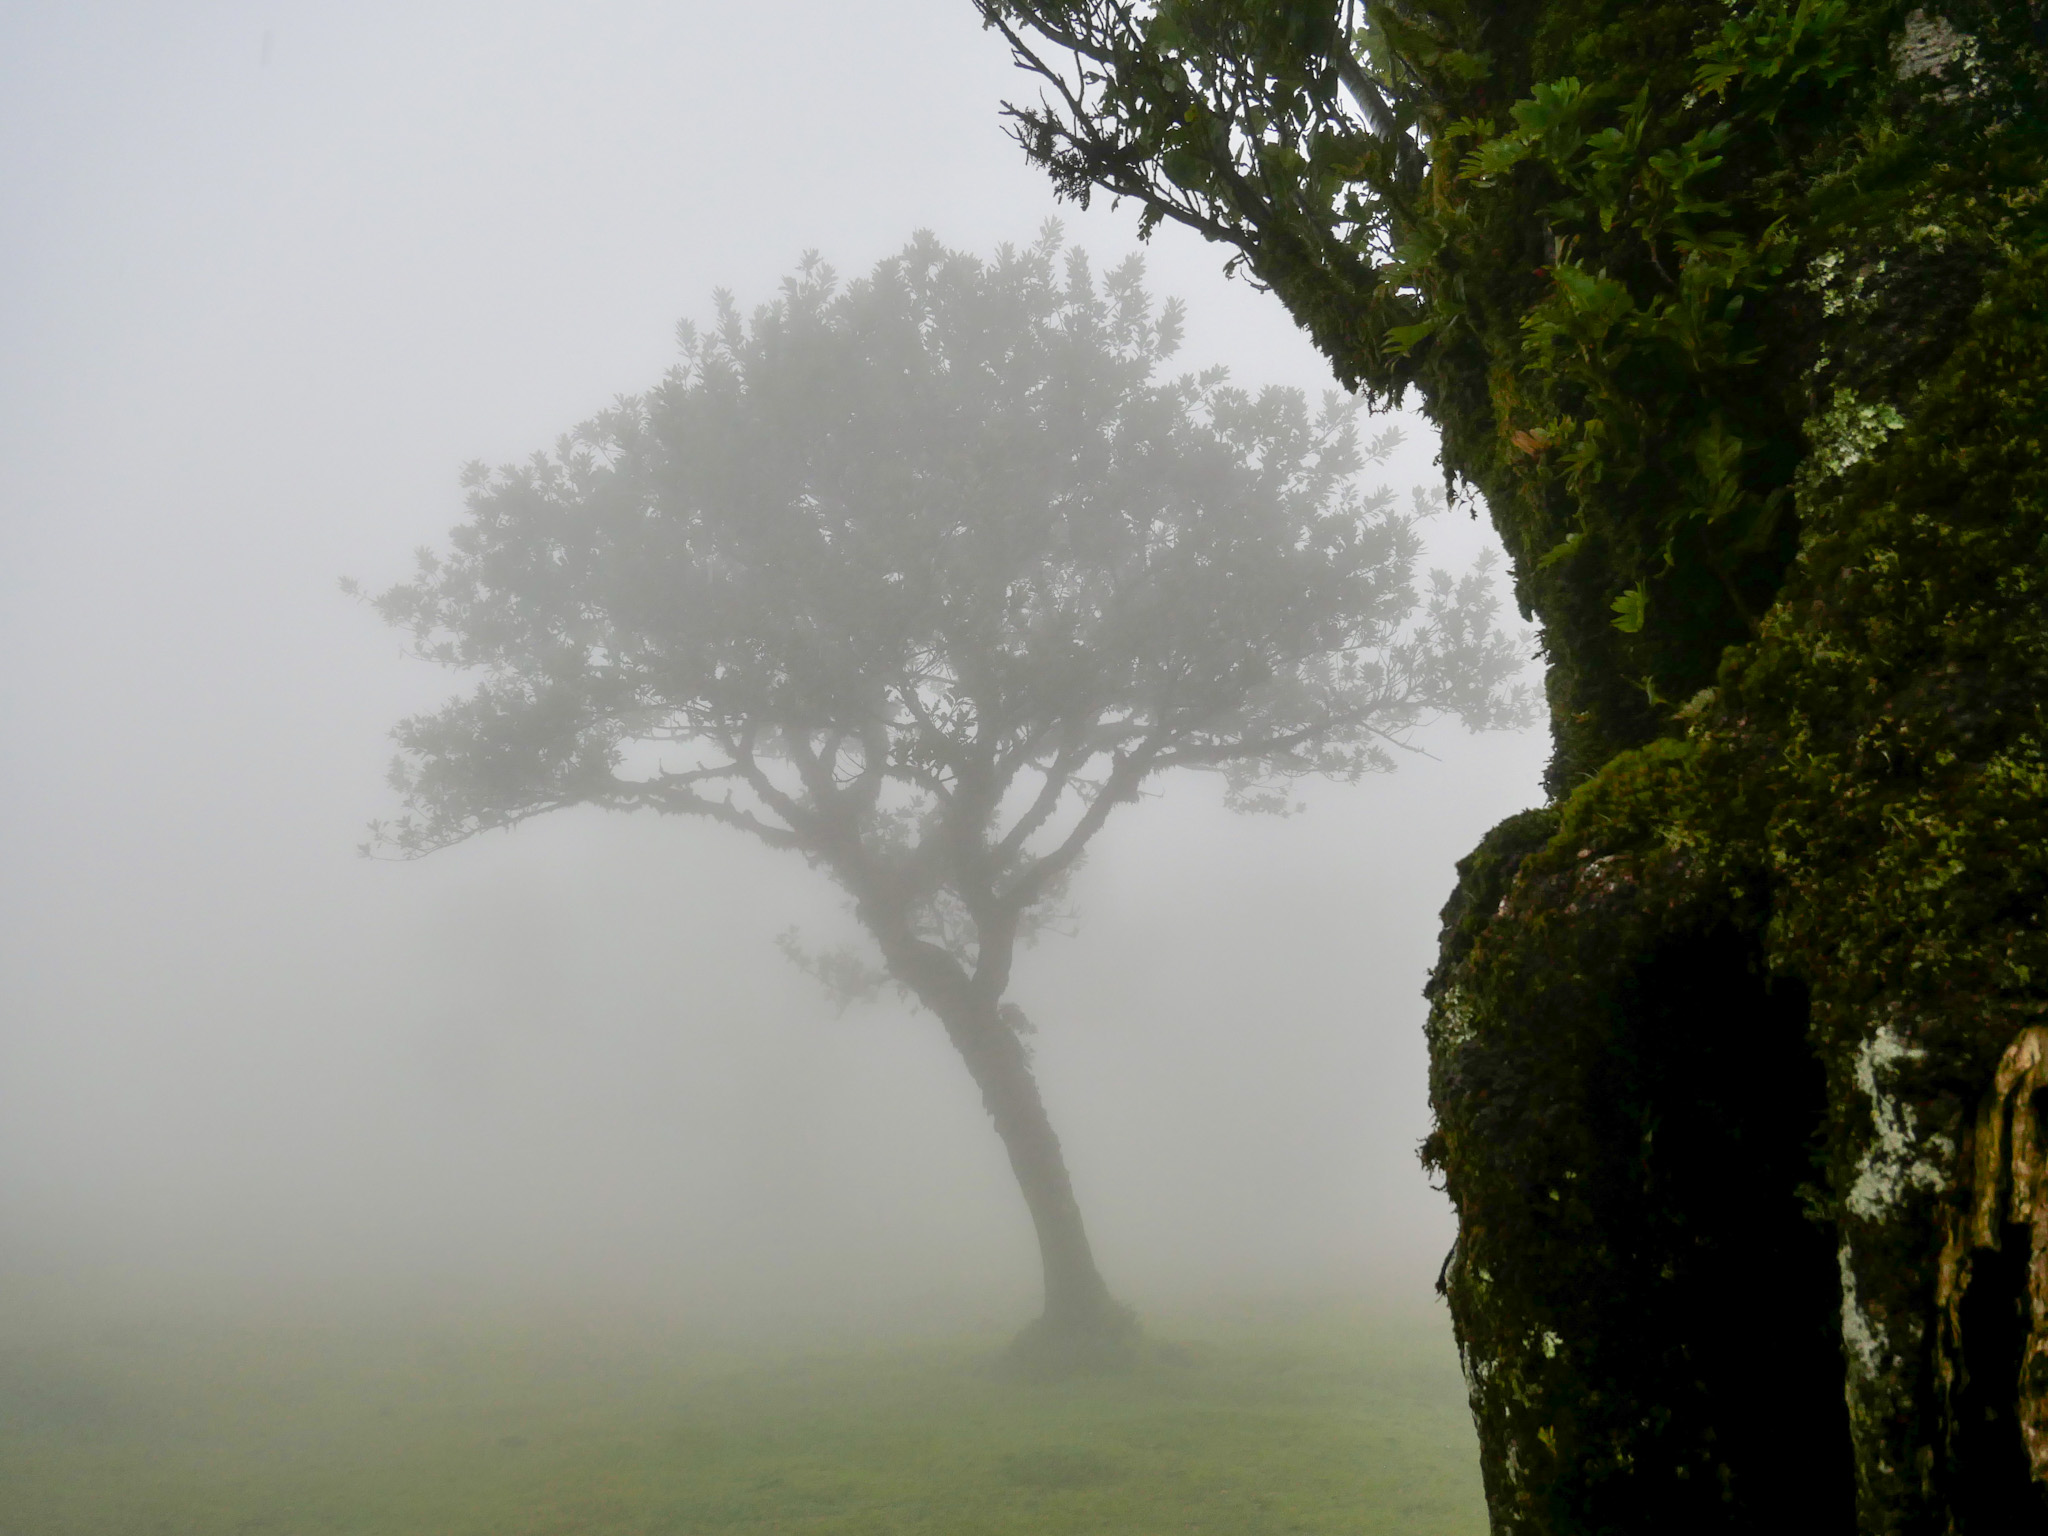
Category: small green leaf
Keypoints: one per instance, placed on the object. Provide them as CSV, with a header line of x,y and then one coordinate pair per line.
x,y
1629,609
1185,168
1403,337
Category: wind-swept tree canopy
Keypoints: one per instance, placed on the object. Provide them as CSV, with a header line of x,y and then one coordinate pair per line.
x,y
921,576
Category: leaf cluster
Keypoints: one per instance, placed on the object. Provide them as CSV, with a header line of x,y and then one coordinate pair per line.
x,y
1290,132
1583,229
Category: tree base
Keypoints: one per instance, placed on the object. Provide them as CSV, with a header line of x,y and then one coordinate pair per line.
x,y
1052,1349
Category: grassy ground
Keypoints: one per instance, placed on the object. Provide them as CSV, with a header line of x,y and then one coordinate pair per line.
x,y
1317,1424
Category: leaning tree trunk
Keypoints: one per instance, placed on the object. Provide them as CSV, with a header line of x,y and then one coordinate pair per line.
x,y
1082,1324
1081,1321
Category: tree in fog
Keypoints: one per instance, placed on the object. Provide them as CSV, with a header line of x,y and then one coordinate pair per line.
x,y
920,578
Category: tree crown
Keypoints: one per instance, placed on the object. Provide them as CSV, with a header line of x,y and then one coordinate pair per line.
x,y
922,574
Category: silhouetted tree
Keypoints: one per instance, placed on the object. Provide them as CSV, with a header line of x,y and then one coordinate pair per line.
x,y
921,578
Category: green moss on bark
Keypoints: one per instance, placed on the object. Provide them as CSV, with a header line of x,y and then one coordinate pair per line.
x,y
1857,817
1706,1061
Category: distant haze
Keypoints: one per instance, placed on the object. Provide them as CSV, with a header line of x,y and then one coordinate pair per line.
x,y
272,273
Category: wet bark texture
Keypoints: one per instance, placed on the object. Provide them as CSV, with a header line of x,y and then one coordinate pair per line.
x,y
1736,312
1646,1310
1740,1046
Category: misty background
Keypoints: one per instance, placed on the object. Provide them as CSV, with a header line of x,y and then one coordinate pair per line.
x,y
270,274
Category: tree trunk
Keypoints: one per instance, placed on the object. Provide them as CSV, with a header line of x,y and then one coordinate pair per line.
x,y
1736,1052
1081,1321
1082,1324
1736,1048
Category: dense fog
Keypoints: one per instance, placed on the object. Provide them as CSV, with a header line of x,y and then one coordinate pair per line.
x,y
272,274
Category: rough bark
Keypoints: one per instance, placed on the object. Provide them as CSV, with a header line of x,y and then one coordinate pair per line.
x,y
1735,314
1858,813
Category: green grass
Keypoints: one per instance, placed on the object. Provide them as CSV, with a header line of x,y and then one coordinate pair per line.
x,y
1315,1424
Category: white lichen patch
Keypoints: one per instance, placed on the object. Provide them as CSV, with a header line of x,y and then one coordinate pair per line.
x,y
1477,1368
1898,1158
1824,277
1926,45
1929,45
1859,1339
1452,1022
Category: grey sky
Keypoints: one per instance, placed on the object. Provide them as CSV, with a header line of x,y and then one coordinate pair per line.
x,y
269,275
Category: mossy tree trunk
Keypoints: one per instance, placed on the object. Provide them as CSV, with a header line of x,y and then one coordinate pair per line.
x,y
1835,880
1717,1038
1737,314
1836,868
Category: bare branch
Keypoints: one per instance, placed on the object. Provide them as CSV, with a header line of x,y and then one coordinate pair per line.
x,y
1121,785
674,800
1059,776
741,750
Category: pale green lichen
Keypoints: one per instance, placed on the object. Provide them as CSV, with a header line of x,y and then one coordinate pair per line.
x,y
1453,1024
1824,277
1846,434
1930,45
1896,1159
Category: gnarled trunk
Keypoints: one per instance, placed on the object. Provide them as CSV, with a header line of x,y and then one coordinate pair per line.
x,y
1858,817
